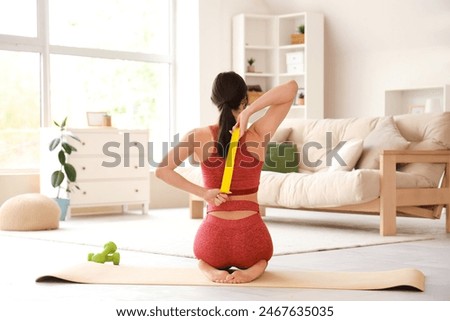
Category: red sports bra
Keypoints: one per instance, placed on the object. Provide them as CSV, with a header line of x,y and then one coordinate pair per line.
x,y
246,173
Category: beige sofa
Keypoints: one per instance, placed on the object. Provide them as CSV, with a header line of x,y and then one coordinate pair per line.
x,y
376,165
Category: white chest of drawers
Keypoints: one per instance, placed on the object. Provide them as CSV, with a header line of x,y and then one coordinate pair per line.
x,y
111,164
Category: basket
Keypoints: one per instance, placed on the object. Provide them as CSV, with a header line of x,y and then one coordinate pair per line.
x,y
297,38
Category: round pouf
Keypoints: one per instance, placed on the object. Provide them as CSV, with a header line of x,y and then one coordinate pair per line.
x,y
29,212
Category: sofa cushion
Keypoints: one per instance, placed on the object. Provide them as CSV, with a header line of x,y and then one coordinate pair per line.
x,y
281,157
385,136
281,135
431,172
321,189
314,137
327,189
419,127
350,153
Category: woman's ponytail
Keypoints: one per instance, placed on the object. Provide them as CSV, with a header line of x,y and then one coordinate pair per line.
x,y
229,89
226,123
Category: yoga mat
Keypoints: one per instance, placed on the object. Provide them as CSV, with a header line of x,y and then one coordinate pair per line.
x,y
95,273
229,165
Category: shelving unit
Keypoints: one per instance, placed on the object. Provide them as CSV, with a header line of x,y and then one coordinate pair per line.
x,y
267,39
416,100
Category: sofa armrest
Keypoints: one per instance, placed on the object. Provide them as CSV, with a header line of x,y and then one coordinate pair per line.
x,y
391,197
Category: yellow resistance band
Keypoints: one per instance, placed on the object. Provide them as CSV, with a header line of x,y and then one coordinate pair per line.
x,y
229,165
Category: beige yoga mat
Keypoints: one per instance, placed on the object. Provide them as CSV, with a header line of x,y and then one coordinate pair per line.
x,y
96,273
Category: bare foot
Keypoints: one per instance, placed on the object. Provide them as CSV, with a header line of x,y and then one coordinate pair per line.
x,y
215,275
248,275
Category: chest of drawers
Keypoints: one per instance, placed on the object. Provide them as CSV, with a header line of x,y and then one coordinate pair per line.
x,y
111,164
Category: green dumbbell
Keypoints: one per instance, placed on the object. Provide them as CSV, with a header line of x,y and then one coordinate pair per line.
x,y
109,254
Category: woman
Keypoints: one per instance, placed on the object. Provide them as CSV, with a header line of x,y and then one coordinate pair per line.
x,y
233,233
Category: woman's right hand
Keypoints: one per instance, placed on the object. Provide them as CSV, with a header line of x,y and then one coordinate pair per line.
x,y
215,197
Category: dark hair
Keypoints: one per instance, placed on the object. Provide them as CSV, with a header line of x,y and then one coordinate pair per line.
x,y
228,91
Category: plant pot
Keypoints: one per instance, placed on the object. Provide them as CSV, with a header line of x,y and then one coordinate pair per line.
x,y
250,68
64,206
297,38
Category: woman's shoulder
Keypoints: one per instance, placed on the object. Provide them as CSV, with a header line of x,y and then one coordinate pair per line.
x,y
253,136
205,133
205,130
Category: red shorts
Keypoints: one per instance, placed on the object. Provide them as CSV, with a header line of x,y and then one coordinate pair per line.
x,y
233,243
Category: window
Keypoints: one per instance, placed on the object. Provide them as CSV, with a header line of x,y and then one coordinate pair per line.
x,y
104,55
133,26
16,20
19,106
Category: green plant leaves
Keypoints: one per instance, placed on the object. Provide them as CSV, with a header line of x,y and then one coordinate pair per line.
x,y
73,136
61,157
67,171
68,148
57,178
54,143
63,124
70,172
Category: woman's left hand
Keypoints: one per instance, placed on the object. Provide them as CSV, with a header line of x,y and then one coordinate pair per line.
x,y
242,122
215,197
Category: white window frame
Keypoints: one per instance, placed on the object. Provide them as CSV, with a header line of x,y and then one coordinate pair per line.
x,y
41,45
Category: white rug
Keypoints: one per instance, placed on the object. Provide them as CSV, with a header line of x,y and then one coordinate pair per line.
x,y
172,232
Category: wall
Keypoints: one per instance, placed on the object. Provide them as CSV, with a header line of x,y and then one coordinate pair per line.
x,y
215,45
371,46
14,184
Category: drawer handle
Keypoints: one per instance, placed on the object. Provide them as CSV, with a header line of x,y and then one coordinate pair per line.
x,y
135,167
136,190
83,168
83,143
84,192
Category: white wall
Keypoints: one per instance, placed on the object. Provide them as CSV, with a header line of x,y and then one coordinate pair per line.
x,y
215,45
203,48
371,46
187,65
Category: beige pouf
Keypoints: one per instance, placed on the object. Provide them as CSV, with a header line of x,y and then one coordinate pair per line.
x,y
29,212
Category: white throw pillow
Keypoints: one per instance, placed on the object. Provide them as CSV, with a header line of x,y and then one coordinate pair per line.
x,y
350,153
384,137
281,135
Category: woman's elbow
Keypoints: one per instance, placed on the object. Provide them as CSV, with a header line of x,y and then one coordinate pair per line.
x,y
293,86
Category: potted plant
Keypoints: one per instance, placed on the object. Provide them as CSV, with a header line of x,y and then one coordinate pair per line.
x,y
251,67
298,38
66,176
301,99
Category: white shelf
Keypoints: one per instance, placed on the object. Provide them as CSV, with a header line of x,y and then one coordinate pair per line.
x,y
291,47
292,74
258,74
267,39
406,100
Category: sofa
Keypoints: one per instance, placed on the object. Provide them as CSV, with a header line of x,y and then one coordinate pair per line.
x,y
390,165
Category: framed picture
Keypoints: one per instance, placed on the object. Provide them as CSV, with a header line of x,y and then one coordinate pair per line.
x,y
416,109
96,118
